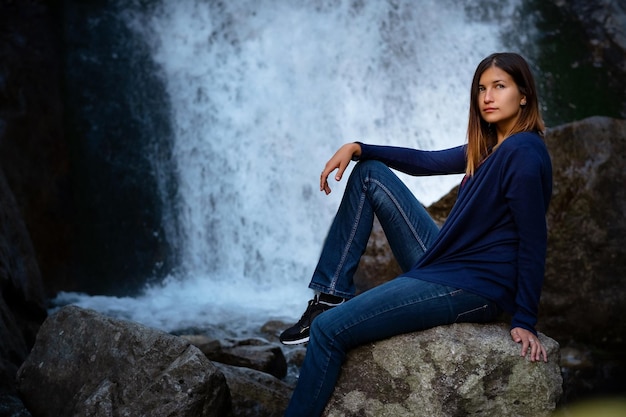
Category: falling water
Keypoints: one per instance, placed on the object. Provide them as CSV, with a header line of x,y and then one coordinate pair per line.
x,y
262,93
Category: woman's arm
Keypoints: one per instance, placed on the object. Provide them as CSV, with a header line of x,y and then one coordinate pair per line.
x,y
418,162
407,160
528,187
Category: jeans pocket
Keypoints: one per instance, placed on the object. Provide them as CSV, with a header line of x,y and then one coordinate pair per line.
x,y
475,315
474,309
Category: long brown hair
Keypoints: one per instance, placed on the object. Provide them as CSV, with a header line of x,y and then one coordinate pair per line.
x,y
481,137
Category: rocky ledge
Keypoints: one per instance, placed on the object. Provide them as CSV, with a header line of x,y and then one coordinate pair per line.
x,y
87,364
457,370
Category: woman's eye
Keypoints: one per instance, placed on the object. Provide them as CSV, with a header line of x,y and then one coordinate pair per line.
x,y
500,86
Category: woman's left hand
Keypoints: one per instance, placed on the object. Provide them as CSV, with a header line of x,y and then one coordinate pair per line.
x,y
530,343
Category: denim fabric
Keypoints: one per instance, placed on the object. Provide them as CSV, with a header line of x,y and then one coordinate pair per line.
x,y
372,189
402,305
399,306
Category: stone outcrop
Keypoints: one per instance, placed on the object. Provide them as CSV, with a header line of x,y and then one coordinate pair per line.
x,y
604,23
457,370
586,262
22,301
254,393
33,147
253,353
86,364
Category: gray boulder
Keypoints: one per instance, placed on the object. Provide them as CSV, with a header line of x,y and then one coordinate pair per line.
x,y
86,364
253,353
456,370
584,296
255,393
22,300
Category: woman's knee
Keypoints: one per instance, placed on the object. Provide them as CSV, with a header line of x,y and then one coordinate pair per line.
x,y
327,326
365,171
321,328
319,338
369,165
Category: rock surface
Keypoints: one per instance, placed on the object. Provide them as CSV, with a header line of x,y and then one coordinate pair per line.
x,y
253,353
255,393
457,370
586,262
604,22
33,147
86,364
22,300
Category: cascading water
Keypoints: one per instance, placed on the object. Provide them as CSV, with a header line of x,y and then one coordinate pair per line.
x,y
261,94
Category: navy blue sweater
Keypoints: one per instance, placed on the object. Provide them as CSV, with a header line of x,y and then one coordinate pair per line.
x,y
494,240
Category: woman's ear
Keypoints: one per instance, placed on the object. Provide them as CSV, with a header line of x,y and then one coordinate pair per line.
x,y
523,101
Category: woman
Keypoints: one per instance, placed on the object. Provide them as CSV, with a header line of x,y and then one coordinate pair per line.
x,y
487,258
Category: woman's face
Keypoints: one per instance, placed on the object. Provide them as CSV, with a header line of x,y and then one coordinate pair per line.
x,y
499,99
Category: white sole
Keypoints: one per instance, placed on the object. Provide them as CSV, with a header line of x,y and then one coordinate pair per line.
x,y
295,342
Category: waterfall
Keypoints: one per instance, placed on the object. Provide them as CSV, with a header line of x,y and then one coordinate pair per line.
x,y
262,92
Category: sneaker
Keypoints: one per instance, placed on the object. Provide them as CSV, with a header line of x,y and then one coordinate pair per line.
x,y
299,332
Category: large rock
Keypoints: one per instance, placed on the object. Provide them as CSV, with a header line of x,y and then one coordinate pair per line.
x,y
255,393
86,364
604,23
253,353
586,262
22,301
33,146
456,370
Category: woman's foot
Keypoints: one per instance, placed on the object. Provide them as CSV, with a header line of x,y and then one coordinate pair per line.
x,y
299,332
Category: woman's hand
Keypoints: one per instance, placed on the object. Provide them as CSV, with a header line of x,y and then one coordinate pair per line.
x,y
529,343
340,161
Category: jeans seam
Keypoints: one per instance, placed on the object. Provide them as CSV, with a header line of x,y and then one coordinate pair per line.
x,y
324,371
344,255
401,211
483,307
357,219
395,307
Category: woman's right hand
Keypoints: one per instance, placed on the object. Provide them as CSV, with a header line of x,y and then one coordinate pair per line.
x,y
340,161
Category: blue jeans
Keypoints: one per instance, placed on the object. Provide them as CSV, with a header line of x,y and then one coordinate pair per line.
x,y
401,305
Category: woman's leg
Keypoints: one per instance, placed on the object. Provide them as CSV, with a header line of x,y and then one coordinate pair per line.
x,y
372,189
398,306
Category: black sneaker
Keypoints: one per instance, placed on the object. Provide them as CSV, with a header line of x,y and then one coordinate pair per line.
x,y
299,332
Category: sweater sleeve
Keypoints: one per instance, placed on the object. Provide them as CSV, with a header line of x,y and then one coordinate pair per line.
x,y
528,187
417,162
